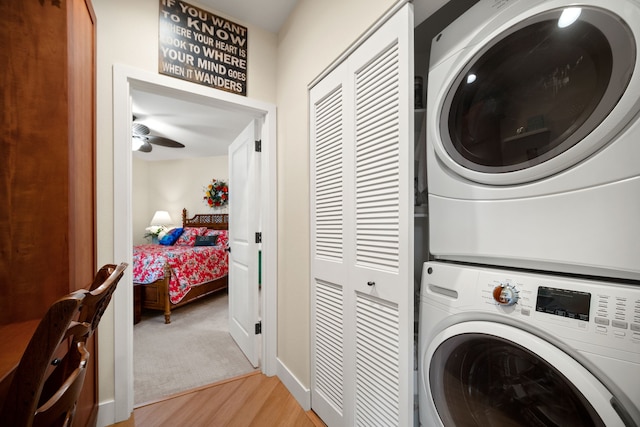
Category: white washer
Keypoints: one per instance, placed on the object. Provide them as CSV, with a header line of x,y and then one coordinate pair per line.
x,y
533,143
565,353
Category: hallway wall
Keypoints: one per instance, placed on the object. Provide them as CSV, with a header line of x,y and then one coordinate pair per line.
x,y
313,37
280,69
127,34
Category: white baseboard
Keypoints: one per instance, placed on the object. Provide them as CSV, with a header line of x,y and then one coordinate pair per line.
x,y
106,413
301,393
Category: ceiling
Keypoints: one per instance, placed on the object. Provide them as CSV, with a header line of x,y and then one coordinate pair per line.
x,y
271,14
266,14
207,130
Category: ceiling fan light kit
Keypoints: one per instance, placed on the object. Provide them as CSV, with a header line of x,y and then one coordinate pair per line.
x,y
140,143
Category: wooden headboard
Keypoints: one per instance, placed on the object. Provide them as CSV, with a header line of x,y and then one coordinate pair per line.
x,y
213,221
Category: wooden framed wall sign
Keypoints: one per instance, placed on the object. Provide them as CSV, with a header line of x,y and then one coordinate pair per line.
x,y
201,47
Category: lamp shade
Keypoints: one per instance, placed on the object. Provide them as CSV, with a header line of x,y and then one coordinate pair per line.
x,y
161,218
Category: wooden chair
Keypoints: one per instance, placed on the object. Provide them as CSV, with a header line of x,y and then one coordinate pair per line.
x,y
45,386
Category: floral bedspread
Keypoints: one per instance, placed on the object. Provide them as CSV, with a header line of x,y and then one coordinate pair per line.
x,y
190,266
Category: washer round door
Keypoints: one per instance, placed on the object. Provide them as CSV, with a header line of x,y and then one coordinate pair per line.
x,y
534,92
490,374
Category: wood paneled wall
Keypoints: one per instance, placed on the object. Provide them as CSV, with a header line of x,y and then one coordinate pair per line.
x,y
47,156
47,150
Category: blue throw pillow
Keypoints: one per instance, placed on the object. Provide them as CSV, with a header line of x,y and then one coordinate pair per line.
x,y
206,240
171,237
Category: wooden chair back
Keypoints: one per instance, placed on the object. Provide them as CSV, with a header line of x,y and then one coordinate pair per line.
x,y
45,386
24,393
60,408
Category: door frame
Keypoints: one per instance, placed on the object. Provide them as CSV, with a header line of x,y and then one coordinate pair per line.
x,y
125,79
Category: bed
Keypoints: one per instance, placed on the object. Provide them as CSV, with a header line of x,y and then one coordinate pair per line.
x,y
169,276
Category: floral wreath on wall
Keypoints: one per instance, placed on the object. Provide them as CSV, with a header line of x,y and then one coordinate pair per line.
x,y
216,194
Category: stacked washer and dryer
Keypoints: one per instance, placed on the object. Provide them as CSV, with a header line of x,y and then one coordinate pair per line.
x,y
530,306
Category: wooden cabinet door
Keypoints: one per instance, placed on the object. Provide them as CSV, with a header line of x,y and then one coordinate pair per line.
x,y
81,170
82,153
34,177
47,155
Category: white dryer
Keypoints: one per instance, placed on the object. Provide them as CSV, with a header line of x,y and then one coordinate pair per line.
x,y
533,142
505,348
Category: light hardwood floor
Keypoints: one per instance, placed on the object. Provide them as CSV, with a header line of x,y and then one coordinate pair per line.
x,y
249,400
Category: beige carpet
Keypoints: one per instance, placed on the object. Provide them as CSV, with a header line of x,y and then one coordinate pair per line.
x,y
195,349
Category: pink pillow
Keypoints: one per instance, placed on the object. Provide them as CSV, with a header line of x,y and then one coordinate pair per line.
x,y
188,236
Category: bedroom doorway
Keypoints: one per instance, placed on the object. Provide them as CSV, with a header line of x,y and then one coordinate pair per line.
x,y
127,81
202,344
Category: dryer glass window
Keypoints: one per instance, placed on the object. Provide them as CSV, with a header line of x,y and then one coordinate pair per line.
x,y
481,380
537,90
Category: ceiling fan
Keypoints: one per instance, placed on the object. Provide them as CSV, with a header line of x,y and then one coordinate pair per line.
x,y
142,138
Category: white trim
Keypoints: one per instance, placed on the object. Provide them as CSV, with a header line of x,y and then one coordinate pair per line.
x,y
269,213
106,413
124,79
301,393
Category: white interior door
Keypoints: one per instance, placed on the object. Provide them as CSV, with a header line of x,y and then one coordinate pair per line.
x,y
243,256
381,187
362,232
330,262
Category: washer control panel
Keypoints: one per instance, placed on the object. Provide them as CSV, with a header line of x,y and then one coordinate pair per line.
x,y
602,312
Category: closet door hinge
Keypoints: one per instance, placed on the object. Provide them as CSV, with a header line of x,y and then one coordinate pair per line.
x,y
259,146
258,237
258,328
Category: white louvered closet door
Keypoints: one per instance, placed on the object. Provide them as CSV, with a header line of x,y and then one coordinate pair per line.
x,y
362,232
329,266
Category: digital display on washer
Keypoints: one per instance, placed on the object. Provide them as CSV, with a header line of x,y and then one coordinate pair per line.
x,y
565,303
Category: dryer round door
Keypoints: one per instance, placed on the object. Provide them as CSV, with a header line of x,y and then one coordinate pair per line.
x,y
521,105
490,374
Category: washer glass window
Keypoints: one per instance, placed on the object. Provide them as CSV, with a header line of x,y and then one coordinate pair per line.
x,y
537,90
481,380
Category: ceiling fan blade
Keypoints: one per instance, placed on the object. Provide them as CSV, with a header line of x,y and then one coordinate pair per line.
x,y
165,142
145,147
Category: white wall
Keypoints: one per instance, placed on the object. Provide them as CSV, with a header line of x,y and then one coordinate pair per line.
x,y
315,34
171,186
127,33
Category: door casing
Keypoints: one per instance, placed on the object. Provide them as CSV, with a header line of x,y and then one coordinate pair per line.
x,y
125,79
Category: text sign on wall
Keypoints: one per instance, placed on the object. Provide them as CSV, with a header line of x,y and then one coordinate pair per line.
x,y
203,48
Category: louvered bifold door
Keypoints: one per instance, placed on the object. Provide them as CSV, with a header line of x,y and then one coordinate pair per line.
x,y
328,268
380,277
362,232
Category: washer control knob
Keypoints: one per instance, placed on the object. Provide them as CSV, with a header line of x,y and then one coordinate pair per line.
x,y
505,294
